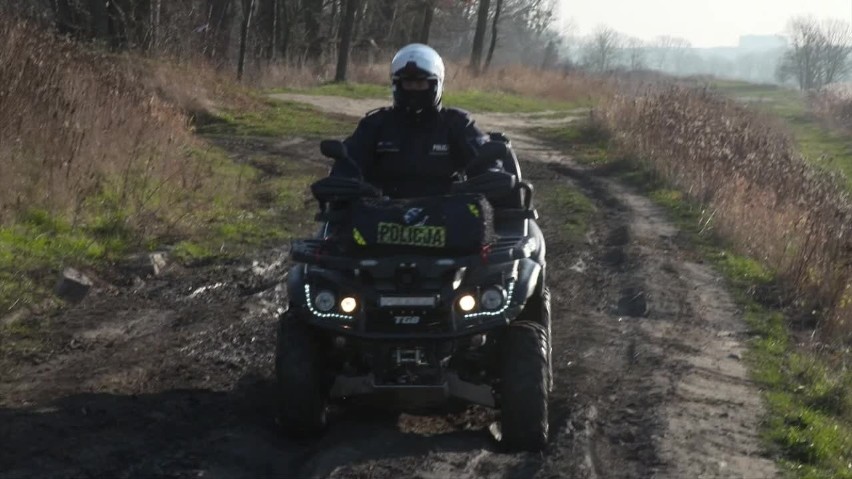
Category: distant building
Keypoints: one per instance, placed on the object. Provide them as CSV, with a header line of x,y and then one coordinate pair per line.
x,y
762,42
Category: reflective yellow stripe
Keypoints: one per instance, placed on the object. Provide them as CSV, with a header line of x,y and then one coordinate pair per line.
x,y
358,238
474,210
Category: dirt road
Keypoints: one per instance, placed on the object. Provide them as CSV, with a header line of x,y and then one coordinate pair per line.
x,y
171,377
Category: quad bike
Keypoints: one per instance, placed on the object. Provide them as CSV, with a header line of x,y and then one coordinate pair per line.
x,y
419,325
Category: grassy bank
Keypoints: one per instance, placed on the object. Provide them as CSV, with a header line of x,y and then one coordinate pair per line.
x,y
102,157
275,119
473,100
822,142
758,192
807,389
807,392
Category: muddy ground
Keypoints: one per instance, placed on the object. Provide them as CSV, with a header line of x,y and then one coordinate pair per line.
x,y
171,376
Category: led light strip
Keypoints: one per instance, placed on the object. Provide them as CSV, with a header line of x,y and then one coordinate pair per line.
x,y
320,314
496,312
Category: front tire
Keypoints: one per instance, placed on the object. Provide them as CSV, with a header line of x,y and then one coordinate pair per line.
x,y
302,399
537,310
524,386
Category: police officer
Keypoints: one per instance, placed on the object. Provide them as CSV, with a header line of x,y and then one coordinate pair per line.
x,y
417,147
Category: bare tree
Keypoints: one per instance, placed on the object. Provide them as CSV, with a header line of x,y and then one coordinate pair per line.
x,y
426,23
312,15
248,12
550,55
601,50
837,46
267,29
635,53
293,31
218,30
818,54
380,17
154,36
668,53
533,15
347,24
479,35
494,22
680,49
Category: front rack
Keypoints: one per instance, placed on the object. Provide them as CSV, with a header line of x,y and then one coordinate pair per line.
x,y
325,253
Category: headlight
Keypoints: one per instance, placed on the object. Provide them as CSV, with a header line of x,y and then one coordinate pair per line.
x,y
324,301
492,298
348,304
467,303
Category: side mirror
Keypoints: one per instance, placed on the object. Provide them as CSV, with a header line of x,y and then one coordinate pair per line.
x,y
334,149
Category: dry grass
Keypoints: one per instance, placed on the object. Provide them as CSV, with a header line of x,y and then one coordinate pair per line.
x,y
758,190
87,133
834,107
193,87
75,121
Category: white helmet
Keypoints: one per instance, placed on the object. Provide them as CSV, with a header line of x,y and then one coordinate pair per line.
x,y
417,61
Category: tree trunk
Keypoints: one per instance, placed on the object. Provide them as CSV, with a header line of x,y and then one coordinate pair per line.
x,y
426,25
479,35
265,30
331,19
381,19
346,27
493,45
154,40
120,22
218,30
284,29
312,11
272,54
248,9
392,28
550,56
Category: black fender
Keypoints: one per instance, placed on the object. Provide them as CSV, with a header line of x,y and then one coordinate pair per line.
x,y
296,285
529,276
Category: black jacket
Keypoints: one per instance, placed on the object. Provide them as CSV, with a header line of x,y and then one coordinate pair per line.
x,y
409,157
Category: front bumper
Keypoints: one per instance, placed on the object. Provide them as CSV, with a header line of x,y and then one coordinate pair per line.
x,y
442,325
417,394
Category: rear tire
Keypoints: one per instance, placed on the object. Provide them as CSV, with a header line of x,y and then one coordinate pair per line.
x,y
302,399
524,386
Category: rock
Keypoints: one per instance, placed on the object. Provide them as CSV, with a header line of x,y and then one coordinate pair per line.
x,y
159,261
145,265
72,286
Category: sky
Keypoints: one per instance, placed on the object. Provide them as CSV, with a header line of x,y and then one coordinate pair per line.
x,y
705,23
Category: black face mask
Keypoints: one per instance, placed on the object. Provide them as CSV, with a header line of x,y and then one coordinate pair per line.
x,y
416,101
